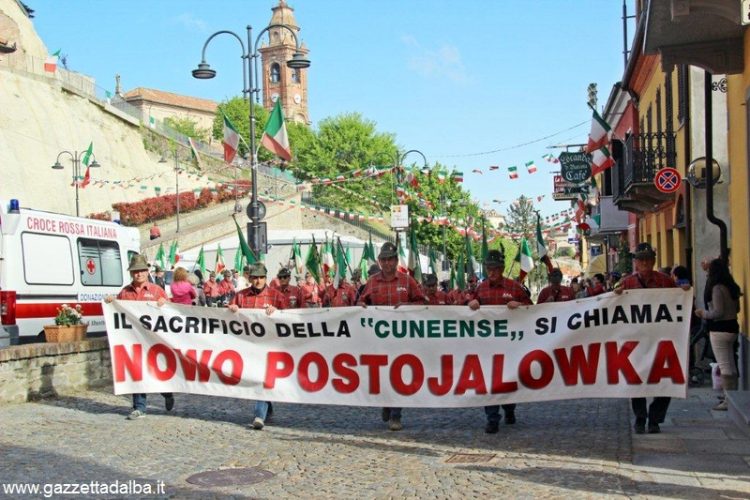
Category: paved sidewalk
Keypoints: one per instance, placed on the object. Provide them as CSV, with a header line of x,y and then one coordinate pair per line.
x,y
580,449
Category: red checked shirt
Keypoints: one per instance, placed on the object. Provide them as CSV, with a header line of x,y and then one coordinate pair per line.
x,y
225,287
344,295
502,293
293,296
149,291
439,298
402,289
249,298
557,293
652,279
211,289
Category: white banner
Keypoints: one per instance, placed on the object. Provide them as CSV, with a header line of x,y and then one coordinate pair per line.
x,y
631,345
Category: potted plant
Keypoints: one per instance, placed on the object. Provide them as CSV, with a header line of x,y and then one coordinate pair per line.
x,y
68,326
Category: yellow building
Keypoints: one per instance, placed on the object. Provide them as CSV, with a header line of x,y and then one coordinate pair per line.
x,y
711,41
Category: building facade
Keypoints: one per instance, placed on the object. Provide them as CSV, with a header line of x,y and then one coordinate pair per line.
x,y
279,81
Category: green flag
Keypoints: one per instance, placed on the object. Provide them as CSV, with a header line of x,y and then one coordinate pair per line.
x,y
363,264
202,261
460,272
471,267
86,159
173,253
312,261
453,277
299,263
247,252
371,255
238,257
341,264
160,255
415,265
433,261
485,247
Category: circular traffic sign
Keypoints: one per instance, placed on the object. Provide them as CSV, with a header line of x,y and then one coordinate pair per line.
x,y
261,210
667,180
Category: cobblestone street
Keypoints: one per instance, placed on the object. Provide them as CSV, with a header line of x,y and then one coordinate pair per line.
x,y
579,448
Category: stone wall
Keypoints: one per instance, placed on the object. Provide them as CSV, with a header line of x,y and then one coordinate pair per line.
x,y
34,371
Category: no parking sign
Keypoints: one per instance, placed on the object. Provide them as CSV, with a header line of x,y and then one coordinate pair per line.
x,y
667,180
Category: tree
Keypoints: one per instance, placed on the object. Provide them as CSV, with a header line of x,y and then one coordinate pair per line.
x,y
521,218
187,126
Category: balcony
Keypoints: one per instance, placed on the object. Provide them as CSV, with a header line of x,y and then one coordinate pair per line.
x,y
633,180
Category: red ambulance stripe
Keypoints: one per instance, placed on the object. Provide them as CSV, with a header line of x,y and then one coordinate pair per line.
x,y
49,310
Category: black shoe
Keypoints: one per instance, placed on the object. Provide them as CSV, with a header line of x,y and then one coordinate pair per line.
x,y
653,428
169,403
492,427
385,414
640,428
510,418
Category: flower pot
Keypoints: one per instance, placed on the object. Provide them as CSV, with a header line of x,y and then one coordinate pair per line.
x,y
55,333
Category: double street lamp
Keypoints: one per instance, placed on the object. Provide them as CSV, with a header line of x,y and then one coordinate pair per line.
x,y
76,158
249,87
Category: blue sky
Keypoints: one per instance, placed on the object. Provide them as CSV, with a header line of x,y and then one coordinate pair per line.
x,y
453,79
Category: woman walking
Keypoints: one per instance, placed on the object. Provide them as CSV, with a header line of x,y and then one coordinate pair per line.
x,y
722,313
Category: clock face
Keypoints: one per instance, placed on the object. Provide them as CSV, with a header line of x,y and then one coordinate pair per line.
x,y
297,98
274,97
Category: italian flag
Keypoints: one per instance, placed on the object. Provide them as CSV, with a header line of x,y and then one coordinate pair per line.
x,y
477,171
525,259
275,138
530,166
50,64
513,172
403,261
458,176
599,134
601,160
441,177
219,266
231,140
494,167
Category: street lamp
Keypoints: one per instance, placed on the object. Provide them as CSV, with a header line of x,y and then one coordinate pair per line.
x,y
445,204
177,172
75,157
249,87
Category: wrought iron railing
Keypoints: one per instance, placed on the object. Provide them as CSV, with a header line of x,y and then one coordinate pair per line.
x,y
646,154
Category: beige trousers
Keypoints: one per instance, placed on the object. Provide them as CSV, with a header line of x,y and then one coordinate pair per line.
x,y
722,344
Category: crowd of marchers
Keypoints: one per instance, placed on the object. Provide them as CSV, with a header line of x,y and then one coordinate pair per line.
x,y
388,286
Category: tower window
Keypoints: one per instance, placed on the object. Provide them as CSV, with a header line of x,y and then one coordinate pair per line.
x,y
295,75
275,73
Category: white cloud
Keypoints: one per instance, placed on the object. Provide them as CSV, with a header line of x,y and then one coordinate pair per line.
x,y
192,23
442,62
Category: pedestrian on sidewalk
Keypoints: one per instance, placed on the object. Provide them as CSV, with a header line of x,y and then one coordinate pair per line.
x,y
498,290
644,276
259,296
141,289
391,288
722,317
154,232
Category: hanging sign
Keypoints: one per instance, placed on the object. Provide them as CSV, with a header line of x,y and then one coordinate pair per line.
x,y
575,167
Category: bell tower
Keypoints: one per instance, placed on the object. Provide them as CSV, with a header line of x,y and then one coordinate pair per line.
x,y
279,81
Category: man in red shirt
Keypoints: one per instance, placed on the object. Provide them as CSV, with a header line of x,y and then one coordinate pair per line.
x,y
597,287
498,290
259,296
340,296
434,296
391,288
292,293
311,291
556,291
211,289
140,289
644,276
226,287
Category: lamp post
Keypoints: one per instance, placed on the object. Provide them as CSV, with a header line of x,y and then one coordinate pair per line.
x,y
177,172
445,205
76,157
249,87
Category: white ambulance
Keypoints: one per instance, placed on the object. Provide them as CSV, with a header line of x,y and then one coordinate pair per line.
x,y
49,259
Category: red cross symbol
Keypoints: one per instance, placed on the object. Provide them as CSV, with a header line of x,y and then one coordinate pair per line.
x,y
667,180
91,266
